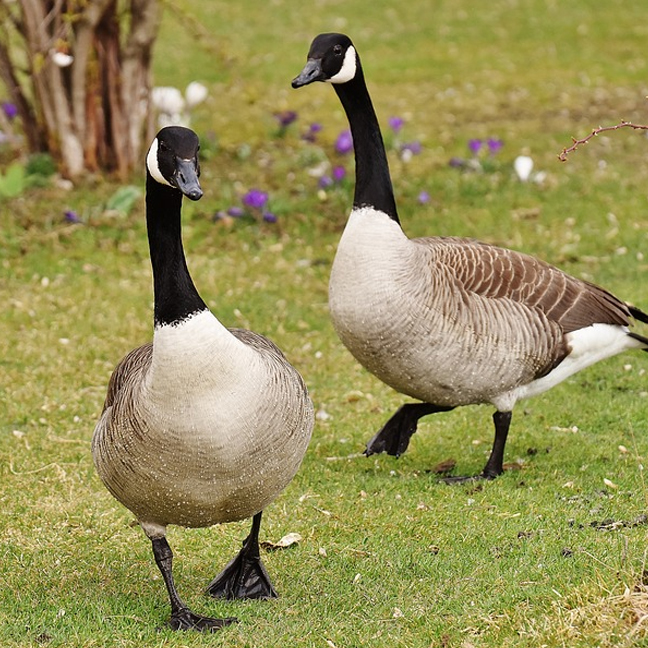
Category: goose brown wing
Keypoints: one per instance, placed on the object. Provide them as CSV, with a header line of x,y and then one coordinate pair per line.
x,y
272,352
257,341
497,273
129,368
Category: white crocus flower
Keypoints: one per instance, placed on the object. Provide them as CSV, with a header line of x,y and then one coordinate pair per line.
x,y
195,93
523,166
168,100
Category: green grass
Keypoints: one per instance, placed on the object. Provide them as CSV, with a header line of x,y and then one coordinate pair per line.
x,y
389,557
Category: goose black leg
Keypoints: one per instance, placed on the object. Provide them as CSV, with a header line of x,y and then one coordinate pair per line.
x,y
182,618
394,437
494,465
244,577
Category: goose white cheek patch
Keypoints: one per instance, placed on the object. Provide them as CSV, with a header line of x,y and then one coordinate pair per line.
x,y
348,69
153,166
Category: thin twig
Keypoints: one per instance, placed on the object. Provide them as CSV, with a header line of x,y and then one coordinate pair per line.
x,y
13,471
601,129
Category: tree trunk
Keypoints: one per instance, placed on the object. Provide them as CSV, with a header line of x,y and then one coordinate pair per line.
x,y
82,80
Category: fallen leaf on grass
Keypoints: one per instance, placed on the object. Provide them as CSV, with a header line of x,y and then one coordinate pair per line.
x,y
444,467
287,541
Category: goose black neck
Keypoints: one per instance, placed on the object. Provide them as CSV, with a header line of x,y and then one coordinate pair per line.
x,y
174,292
373,183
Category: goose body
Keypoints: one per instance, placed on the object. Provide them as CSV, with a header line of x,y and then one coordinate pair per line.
x,y
450,321
187,440
205,424
438,303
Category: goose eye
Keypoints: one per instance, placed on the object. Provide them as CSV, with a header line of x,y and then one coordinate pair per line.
x,y
337,50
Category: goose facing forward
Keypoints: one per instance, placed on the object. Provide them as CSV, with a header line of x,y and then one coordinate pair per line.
x,y
206,424
449,321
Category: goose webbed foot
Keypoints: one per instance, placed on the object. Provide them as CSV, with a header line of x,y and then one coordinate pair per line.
x,y
244,577
495,465
184,619
394,437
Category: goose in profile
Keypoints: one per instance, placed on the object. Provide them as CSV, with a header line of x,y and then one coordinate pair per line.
x,y
449,321
205,424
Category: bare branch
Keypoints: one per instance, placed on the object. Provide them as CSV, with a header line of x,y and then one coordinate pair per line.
x,y
79,72
81,95
601,129
8,75
136,70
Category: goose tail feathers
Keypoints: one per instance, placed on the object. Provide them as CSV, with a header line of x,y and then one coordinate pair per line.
x,y
640,316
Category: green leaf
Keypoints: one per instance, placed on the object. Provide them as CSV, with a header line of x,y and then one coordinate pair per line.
x,y
123,199
13,181
40,164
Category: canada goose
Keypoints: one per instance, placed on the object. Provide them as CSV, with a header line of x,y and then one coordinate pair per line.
x,y
449,321
205,424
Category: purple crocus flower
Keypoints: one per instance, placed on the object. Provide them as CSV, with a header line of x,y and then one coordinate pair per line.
x,y
311,134
269,217
344,142
286,117
339,173
255,199
10,110
235,212
71,216
424,197
494,145
414,147
325,182
474,145
396,123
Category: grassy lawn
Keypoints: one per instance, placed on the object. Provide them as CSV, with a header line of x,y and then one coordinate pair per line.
x,y
552,553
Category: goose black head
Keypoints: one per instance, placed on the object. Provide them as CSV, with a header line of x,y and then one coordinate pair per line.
x,y
172,160
331,58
